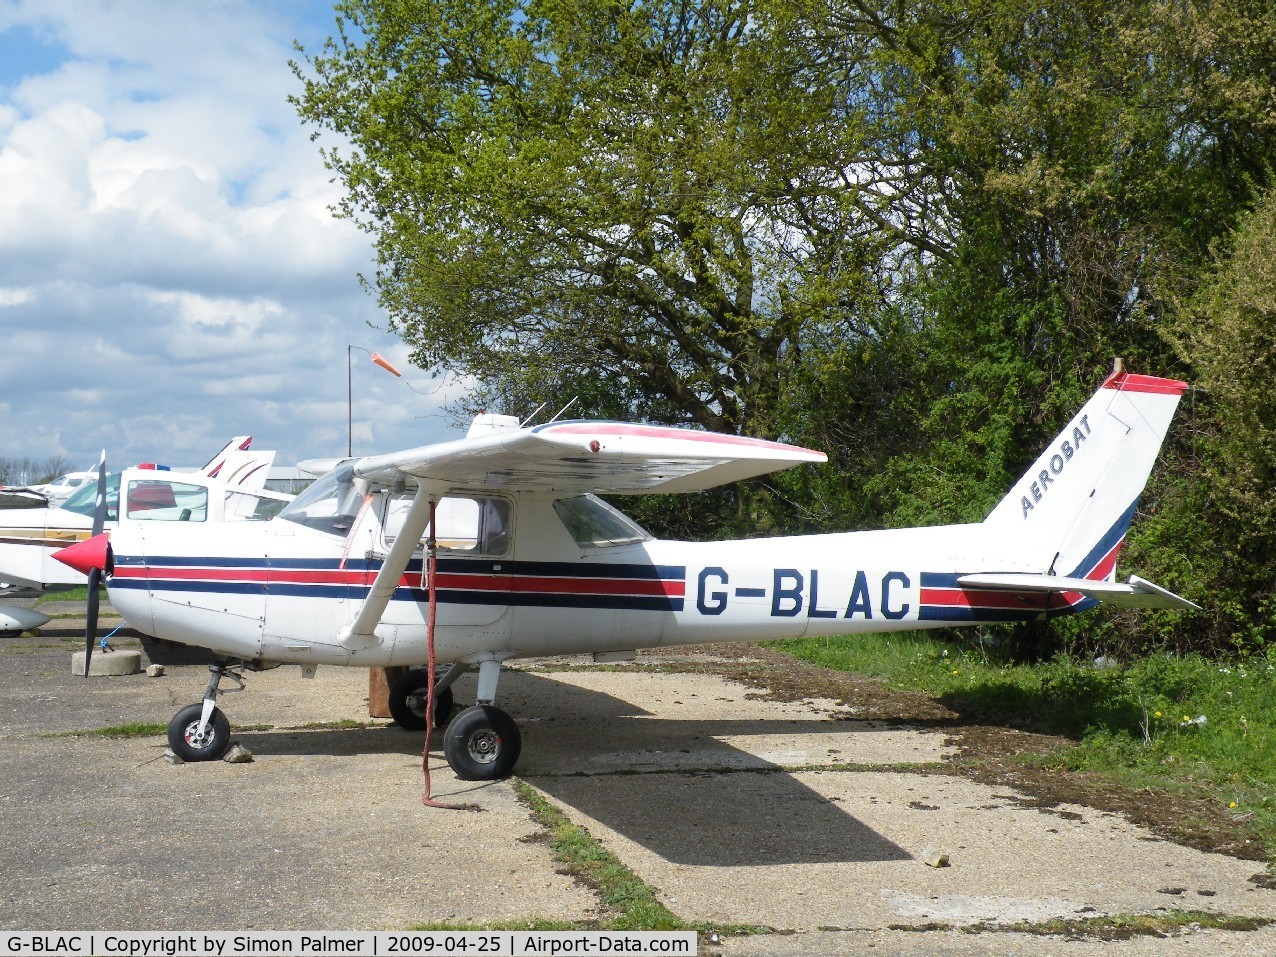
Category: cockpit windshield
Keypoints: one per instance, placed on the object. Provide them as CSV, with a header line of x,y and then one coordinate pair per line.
x,y
330,504
84,500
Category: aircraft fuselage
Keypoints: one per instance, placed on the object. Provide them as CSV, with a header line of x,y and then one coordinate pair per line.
x,y
282,592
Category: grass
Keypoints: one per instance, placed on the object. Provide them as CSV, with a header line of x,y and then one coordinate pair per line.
x,y
1114,927
1162,721
633,904
78,593
137,730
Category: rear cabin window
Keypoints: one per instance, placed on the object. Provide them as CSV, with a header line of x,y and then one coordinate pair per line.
x,y
154,500
592,523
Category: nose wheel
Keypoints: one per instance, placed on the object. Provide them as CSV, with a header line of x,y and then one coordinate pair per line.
x,y
193,739
201,732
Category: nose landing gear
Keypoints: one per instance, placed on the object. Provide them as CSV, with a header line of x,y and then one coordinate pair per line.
x,y
201,732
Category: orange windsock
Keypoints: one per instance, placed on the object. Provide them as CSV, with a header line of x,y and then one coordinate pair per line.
x,y
381,361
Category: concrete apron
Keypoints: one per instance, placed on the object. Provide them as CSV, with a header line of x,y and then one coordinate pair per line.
x,y
725,836
323,831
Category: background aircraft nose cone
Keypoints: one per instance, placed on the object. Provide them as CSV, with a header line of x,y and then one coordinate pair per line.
x,y
86,555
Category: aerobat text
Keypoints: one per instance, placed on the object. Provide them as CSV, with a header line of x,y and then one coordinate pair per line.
x,y
1058,461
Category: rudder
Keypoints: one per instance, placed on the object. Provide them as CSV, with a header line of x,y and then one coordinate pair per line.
x,y
1071,510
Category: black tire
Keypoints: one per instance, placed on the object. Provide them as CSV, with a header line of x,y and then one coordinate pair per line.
x,y
407,701
184,742
482,744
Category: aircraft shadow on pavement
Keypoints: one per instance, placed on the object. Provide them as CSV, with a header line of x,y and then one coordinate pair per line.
x,y
696,800
669,784
688,797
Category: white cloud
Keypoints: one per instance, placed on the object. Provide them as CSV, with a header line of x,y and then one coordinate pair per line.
x,y
170,272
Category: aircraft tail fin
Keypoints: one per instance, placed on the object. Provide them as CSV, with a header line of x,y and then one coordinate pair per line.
x,y
1072,509
239,443
244,471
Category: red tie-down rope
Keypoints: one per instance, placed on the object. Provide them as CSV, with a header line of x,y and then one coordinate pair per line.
x,y
431,545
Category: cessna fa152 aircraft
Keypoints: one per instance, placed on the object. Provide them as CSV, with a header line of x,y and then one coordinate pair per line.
x,y
521,559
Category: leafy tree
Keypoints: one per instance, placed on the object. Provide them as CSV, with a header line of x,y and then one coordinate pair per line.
x,y
1228,508
1067,166
642,205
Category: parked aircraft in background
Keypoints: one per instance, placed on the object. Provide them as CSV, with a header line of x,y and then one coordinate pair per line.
x,y
63,487
29,537
21,496
521,559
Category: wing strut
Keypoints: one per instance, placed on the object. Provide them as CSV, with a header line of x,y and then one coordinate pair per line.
x,y
432,552
361,633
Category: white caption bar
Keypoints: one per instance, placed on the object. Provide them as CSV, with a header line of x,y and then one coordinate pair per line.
x,y
465,943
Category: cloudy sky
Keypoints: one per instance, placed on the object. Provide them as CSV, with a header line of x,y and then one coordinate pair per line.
x,y
170,273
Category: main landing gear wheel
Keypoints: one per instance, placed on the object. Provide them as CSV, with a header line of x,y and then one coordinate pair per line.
x,y
407,701
482,744
186,741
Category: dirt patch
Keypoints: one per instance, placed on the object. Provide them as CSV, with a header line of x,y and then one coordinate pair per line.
x,y
989,753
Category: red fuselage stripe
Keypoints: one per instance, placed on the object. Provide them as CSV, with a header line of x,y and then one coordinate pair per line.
x,y
469,582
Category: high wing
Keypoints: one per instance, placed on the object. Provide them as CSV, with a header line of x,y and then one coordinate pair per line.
x,y
617,458
1138,593
22,497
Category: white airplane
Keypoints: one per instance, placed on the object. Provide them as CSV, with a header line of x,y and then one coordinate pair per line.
x,y
63,487
526,561
29,537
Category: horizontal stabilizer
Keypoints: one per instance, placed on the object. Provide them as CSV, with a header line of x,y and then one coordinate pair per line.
x,y
1137,593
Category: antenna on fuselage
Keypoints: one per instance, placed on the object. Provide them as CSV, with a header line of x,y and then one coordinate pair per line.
x,y
563,409
527,421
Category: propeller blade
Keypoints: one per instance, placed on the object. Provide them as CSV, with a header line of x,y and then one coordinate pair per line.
x,y
98,565
90,625
99,508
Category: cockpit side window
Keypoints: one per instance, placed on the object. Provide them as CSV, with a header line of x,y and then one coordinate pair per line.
x,y
477,526
159,500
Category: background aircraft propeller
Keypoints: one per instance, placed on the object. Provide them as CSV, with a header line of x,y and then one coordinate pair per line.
x,y
91,557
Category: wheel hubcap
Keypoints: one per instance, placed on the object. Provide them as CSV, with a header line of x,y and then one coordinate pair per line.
x,y
416,702
195,739
484,746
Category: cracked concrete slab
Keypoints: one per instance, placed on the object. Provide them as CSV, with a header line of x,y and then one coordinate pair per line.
x,y
738,841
